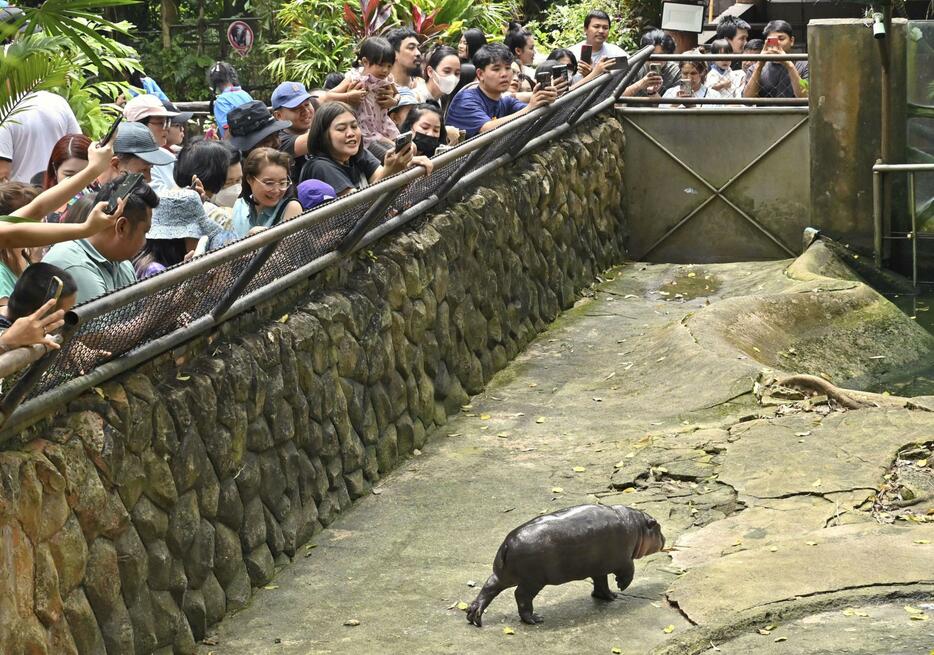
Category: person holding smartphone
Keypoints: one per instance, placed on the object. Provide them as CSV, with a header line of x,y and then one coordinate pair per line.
x,y
691,85
594,47
778,79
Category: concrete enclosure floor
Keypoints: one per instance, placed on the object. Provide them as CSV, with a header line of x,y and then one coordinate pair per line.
x,y
630,398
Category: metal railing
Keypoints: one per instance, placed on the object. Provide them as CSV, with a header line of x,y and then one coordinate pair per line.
x,y
113,333
722,102
879,170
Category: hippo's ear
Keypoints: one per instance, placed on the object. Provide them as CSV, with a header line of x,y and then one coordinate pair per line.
x,y
650,522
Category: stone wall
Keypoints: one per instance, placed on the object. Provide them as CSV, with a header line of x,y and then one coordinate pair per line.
x,y
152,506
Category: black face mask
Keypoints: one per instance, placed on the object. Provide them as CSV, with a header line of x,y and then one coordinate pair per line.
x,y
426,144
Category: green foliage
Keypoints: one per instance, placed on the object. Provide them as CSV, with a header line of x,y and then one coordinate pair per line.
x,y
180,70
563,25
314,42
69,50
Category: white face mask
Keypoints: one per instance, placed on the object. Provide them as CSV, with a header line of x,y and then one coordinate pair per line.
x,y
446,83
227,196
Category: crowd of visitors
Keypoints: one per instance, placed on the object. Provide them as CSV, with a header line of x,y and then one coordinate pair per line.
x,y
84,218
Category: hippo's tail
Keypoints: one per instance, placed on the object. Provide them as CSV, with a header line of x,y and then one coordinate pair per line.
x,y
499,562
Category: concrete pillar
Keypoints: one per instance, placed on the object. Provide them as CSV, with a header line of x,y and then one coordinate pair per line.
x,y
846,123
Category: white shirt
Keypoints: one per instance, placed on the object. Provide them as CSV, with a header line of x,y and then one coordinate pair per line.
x,y
673,93
608,50
163,177
27,138
737,83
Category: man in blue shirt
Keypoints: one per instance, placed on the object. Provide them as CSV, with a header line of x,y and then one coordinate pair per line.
x,y
478,109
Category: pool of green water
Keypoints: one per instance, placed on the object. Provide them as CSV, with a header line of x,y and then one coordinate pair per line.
x,y
919,307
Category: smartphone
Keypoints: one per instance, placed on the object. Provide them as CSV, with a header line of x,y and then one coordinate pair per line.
x,y
463,135
560,71
772,42
686,87
202,246
656,67
403,140
126,187
55,289
543,78
586,53
112,131
619,64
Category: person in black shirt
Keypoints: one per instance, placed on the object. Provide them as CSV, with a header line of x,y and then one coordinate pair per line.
x,y
337,156
292,102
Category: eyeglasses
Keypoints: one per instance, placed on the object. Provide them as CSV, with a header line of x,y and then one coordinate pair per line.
x,y
276,184
162,122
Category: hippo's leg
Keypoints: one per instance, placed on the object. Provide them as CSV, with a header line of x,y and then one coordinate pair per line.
x,y
491,589
601,588
524,596
624,575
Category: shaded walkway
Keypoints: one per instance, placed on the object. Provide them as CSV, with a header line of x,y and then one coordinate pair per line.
x,y
618,401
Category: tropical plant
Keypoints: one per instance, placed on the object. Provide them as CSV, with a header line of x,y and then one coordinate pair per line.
x,y
315,42
64,47
370,20
563,25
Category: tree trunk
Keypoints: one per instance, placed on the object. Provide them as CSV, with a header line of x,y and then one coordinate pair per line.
x,y
169,17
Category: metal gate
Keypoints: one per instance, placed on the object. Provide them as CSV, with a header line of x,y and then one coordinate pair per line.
x,y
716,185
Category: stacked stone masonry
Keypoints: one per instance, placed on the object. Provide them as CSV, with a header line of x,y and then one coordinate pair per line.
x,y
139,516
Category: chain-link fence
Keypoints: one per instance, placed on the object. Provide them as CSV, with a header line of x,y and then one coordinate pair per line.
x,y
115,332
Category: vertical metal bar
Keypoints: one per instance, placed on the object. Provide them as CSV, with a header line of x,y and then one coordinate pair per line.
x,y
230,297
877,216
914,229
377,210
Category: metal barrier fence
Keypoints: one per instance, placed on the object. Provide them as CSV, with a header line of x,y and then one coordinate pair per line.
x,y
113,333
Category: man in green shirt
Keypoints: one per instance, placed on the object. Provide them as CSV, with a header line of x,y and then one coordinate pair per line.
x,y
101,263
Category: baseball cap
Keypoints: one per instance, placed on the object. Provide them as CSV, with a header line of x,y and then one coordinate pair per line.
x,y
136,139
289,95
146,106
312,193
181,117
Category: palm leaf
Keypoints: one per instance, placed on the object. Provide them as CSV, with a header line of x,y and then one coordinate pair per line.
x,y
26,76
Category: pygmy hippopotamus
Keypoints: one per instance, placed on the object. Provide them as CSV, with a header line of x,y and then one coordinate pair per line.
x,y
586,541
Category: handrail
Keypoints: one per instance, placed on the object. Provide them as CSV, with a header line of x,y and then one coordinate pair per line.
x,y
533,128
879,170
788,56
19,358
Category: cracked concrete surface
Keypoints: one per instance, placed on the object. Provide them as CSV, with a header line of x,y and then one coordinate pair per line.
x,y
641,395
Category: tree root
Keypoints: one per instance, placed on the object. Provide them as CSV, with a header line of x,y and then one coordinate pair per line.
x,y
847,398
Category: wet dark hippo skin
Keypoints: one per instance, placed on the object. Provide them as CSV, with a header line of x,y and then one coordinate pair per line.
x,y
586,541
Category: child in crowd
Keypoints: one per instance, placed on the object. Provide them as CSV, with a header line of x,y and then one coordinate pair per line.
x,y
376,59
721,79
753,47
312,193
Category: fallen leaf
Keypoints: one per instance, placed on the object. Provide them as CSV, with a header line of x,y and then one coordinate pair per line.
x,y
811,543
211,641
508,631
352,622
778,639
913,610
817,483
919,617
616,650
503,435
540,419
485,417
579,469
773,549
283,319
376,492
669,629
922,463
557,490
922,541
629,490
100,392
756,349
471,583
532,385
803,434
271,336
183,378
692,274
598,400
271,586
462,606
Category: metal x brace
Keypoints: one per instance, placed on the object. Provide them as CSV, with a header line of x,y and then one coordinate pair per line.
x,y
718,193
